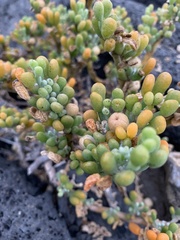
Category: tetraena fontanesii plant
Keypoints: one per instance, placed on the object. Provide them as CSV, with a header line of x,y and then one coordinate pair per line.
x,y
118,135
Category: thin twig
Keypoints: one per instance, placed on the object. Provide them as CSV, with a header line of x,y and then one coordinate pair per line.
x,y
110,196
51,172
5,140
17,147
34,166
122,216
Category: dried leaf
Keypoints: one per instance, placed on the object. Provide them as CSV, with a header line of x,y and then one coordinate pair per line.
x,y
37,114
52,156
91,181
96,230
81,210
56,158
132,87
20,89
30,138
91,125
82,139
117,223
104,182
20,128
130,42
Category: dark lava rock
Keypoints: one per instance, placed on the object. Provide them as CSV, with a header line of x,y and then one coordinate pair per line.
x,y
157,3
154,186
173,179
11,12
27,210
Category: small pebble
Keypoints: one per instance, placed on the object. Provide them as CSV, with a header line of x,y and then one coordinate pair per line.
x,y
178,48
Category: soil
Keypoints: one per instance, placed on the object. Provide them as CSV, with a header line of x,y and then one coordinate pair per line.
x,y
29,207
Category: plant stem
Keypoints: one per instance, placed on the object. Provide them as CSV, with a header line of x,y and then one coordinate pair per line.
x,y
92,73
122,216
89,4
151,53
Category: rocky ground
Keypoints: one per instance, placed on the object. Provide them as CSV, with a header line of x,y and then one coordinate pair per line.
x,y
29,208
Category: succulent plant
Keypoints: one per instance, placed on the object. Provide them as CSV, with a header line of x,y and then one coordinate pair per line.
x,y
11,118
66,187
116,136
